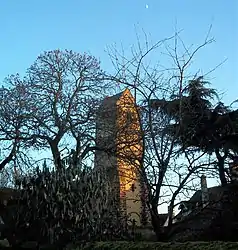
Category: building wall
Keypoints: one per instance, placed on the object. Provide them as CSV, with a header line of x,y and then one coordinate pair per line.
x,y
120,127
133,204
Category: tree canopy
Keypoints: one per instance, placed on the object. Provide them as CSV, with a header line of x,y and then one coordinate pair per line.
x,y
212,128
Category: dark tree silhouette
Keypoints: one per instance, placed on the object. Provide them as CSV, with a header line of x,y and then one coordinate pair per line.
x,y
200,126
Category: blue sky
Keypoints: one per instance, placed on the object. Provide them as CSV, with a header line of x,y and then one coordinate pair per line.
x,y
30,27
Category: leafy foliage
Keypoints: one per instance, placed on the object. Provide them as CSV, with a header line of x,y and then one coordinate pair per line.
x,y
200,125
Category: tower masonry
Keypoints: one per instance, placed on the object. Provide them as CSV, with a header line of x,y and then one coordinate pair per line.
x,y
119,154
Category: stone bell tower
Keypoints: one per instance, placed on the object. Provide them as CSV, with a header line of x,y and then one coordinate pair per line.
x,y
119,138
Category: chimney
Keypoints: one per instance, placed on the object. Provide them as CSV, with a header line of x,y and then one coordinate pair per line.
x,y
204,191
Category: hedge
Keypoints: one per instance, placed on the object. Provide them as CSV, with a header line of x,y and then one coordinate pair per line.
x,y
156,245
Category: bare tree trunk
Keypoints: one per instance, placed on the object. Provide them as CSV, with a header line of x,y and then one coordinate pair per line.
x,y
56,154
155,220
77,159
221,168
9,157
157,226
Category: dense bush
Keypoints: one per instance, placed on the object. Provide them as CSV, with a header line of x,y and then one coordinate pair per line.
x,y
157,246
56,207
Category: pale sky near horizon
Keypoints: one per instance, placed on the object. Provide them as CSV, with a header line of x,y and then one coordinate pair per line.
x,y
30,27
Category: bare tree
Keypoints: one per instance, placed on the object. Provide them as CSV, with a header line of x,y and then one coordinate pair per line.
x,y
62,90
160,82
9,126
13,126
